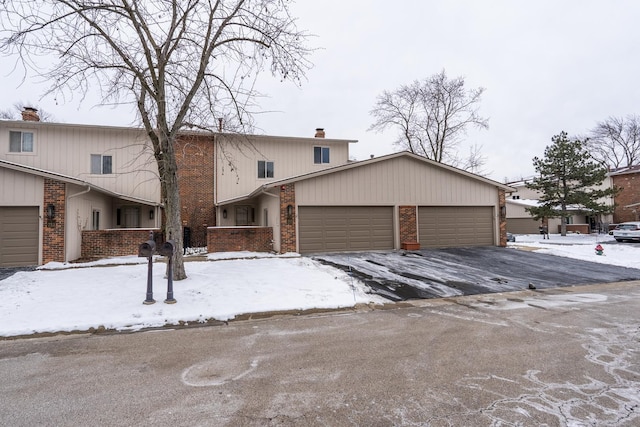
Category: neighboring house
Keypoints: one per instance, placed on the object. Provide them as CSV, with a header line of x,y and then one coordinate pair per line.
x,y
78,191
519,220
628,199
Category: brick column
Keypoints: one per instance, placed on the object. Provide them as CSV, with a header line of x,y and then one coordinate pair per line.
x,y
288,221
53,229
408,223
502,207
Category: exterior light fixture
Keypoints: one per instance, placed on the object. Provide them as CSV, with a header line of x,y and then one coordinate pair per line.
x,y
51,211
224,213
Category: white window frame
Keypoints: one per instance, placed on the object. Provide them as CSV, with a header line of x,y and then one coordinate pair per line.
x,y
324,154
22,142
265,169
95,219
103,157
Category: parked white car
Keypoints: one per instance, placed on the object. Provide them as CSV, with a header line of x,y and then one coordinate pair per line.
x,y
627,231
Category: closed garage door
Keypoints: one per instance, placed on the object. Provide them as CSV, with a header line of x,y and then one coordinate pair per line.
x,y
444,226
18,236
345,228
522,225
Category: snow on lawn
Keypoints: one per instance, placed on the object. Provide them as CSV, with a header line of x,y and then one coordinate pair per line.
x,y
58,298
582,246
109,293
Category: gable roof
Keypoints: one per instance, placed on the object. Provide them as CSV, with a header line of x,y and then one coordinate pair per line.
x,y
352,165
70,180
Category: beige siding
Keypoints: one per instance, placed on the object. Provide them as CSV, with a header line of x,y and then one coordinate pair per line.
x,y
237,161
395,182
20,189
67,149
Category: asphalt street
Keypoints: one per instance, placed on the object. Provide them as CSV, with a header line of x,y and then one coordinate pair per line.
x,y
437,273
556,357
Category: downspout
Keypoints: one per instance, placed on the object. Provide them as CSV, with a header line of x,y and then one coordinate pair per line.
x,y
80,193
67,237
215,181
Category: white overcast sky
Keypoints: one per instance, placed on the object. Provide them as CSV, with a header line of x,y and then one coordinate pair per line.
x,y
546,65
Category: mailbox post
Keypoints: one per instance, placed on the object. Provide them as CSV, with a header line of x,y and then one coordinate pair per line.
x,y
168,249
146,250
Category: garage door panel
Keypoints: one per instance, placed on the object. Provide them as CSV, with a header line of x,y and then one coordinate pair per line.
x,y
19,236
444,226
350,228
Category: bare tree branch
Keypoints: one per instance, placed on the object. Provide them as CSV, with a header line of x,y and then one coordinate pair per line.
x,y
431,116
182,63
615,142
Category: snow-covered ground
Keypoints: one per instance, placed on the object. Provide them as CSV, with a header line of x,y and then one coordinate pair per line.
x,y
581,246
67,297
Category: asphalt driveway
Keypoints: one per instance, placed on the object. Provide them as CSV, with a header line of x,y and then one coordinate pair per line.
x,y
437,273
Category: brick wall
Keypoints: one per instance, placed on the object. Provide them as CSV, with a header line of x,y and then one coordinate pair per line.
x,y
408,224
195,159
235,239
629,194
53,230
115,242
287,222
502,207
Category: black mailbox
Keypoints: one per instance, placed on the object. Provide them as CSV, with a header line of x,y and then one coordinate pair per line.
x,y
167,248
147,249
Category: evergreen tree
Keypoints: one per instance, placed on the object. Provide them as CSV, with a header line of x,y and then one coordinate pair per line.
x,y
569,177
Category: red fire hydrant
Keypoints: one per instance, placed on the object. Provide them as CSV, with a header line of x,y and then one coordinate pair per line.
x,y
599,249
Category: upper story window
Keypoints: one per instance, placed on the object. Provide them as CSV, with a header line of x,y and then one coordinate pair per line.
x,y
20,142
265,169
101,165
320,155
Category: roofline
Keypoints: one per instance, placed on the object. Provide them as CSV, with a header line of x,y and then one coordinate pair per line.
x,y
70,180
194,132
360,163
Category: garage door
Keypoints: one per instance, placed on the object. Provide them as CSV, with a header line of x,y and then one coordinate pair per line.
x,y
522,225
444,226
345,228
18,236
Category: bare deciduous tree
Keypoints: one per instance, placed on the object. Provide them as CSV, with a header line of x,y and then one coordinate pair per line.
x,y
18,107
431,117
615,142
182,63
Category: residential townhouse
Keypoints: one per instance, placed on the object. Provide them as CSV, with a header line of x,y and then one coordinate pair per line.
x,y
69,192
519,220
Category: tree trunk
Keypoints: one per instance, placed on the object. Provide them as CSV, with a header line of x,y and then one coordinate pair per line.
x,y
173,225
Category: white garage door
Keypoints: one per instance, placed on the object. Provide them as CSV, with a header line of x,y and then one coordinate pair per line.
x,y
445,226
345,228
18,236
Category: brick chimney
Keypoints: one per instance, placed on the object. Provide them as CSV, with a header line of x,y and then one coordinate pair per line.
x,y
30,114
319,133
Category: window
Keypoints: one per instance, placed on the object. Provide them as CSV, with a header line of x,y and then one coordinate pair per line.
x,y
101,165
20,142
245,215
320,155
131,216
95,220
265,169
